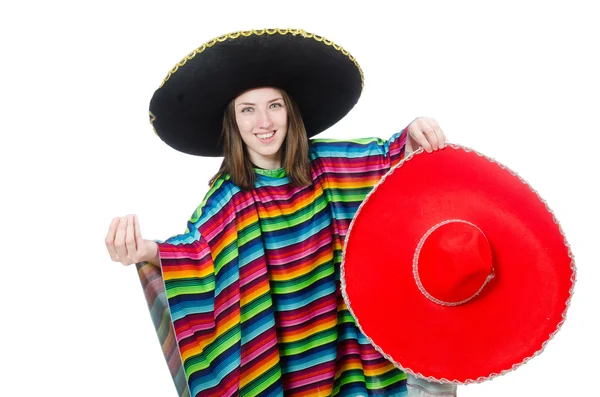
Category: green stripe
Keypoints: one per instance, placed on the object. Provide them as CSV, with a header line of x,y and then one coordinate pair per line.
x,y
351,376
344,317
337,257
350,195
303,214
198,212
229,253
213,350
258,385
302,282
255,307
385,380
360,141
249,233
187,286
304,345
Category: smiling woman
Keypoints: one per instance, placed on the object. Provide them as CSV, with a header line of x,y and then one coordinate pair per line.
x,y
263,128
247,300
262,121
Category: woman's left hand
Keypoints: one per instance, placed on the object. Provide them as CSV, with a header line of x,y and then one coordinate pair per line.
x,y
425,132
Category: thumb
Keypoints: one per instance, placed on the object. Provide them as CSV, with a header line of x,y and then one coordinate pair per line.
x,y
151,251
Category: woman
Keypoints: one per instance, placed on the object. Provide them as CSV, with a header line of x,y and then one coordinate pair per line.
x,y
252,286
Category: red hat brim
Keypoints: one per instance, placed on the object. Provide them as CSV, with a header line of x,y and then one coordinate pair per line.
x,y
512,318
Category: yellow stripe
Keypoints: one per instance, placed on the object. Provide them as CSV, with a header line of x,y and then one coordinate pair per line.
x,y
354,364
302,271
311,331
196,350
248,222
351,185
199,273
251,375
378,371
247,298
220,245
292,209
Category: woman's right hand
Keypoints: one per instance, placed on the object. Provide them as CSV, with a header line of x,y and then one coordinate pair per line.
x,y
125,243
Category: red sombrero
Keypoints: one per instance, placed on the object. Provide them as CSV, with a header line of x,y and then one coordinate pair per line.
x,y
455,269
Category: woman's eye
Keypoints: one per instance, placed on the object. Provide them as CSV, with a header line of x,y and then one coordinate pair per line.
x,y
246,110
276,105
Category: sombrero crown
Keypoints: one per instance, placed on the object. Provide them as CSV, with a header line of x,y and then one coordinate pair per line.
x,y
186,111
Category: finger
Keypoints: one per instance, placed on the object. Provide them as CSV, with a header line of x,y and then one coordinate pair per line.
x,y
433,122
442,140
139,241
120,239
422,140
110,240
130,239
440,136
430,135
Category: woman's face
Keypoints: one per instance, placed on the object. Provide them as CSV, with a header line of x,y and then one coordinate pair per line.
x,y
261,117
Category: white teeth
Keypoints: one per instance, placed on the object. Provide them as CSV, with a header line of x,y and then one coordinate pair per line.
x,y
265,136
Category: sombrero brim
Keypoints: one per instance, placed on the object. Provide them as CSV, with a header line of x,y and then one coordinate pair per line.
x,y
322,78
514,316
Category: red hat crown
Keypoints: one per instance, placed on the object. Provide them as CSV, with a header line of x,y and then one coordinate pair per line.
x,y
453,262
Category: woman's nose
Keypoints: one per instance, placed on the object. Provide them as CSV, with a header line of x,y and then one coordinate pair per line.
x,y
263,120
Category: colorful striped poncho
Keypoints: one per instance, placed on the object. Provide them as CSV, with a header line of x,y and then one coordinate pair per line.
x,y
249,302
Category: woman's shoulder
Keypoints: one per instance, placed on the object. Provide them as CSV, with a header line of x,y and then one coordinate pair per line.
x,y
349,147
221,189
216,200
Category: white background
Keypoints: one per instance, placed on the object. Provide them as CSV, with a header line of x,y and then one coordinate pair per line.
x,y
518,81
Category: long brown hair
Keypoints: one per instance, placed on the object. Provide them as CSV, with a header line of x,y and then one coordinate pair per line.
x,y
294,156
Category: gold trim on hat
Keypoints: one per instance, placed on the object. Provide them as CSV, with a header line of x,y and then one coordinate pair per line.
x,y
152,119
260,32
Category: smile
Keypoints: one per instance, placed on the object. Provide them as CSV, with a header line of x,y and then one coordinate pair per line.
x,y
266,135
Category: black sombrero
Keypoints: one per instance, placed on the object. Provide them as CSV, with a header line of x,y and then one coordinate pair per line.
x,y
186,111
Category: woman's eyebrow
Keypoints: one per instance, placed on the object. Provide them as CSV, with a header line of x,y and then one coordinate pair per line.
x,y
252,104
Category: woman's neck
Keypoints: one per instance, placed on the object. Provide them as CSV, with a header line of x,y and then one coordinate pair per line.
x,y
266,163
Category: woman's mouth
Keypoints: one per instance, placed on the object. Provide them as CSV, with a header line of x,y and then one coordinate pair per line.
x,y
266,137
